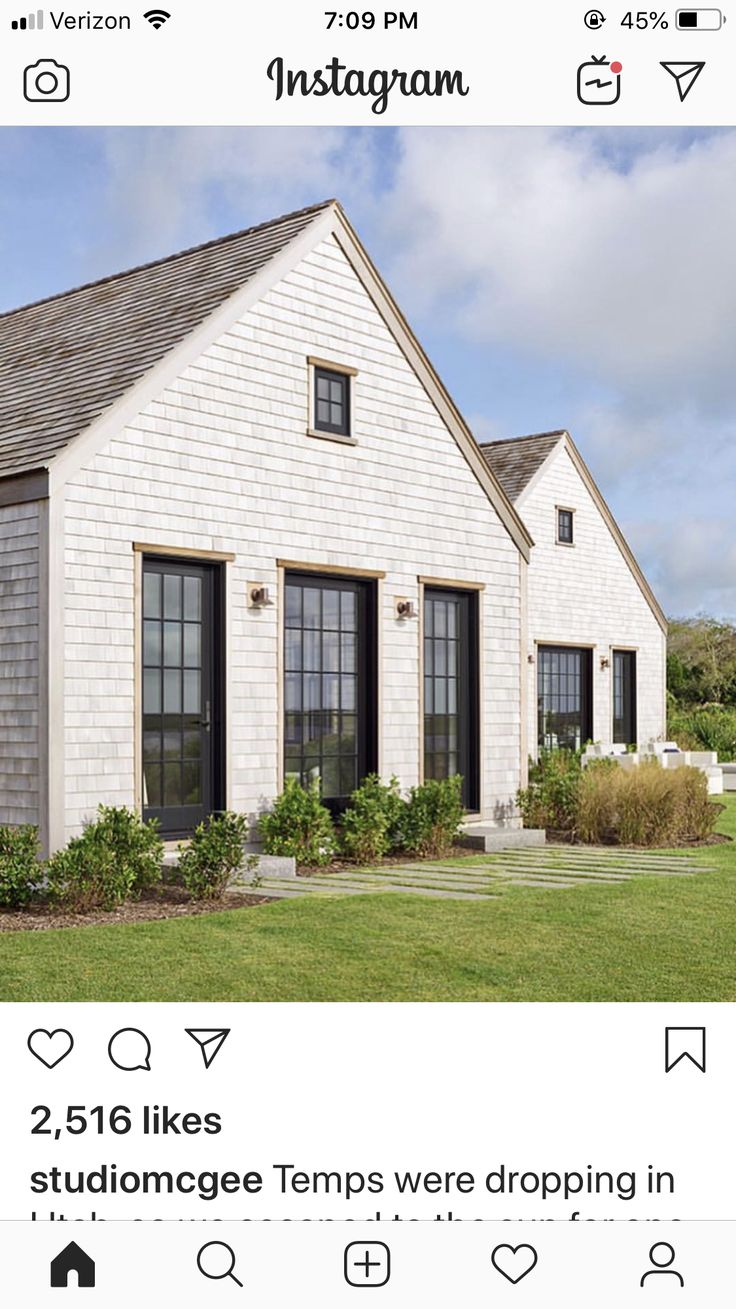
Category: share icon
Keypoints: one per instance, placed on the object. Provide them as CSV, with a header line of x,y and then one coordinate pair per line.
x,y
209,1039
685,75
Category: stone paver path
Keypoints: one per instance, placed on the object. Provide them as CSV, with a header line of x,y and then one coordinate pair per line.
x,y
545,866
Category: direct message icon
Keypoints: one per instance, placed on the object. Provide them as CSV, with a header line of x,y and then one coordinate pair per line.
x,y
514,1262
209,1039
684,1045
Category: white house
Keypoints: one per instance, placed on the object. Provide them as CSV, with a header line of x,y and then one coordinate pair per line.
x,y
596,636
245,535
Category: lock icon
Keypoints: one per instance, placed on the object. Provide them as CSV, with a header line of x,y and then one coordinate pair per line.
x,y
594,19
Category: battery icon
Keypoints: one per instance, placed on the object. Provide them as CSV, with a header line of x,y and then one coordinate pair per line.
x,y
699,20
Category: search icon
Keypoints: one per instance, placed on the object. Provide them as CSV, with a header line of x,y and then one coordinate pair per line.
x,y
216,1260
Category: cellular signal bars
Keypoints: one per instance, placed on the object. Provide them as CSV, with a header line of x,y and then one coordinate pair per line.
x,y
33,23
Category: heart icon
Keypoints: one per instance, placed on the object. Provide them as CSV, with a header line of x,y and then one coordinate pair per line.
x,y
50,1047
514,1261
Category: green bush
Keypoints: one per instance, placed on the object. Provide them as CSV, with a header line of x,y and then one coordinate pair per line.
x,y
116,858
299,826
645,806
214,856
371,825
550,800
432,818
704,727
20,870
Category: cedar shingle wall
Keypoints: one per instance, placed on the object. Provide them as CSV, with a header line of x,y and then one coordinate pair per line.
x,y
587,595
222,461
19,675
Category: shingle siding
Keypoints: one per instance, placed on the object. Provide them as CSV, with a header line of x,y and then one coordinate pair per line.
x,y
587,595
19,663
221,461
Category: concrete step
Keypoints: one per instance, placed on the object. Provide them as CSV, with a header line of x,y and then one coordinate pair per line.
x,y
487,838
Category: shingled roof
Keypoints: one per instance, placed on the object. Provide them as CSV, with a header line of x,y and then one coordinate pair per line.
x,y
515,461
65,360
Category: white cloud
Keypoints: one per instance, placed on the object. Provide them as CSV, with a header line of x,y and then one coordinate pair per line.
x,y
551,245
166,189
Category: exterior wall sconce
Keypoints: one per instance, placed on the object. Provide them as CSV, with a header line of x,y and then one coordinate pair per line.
x,y
605,663
530,659
258,596
406,609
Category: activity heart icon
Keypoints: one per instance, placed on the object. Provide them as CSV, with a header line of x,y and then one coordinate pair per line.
x,y
50,1047
514,1261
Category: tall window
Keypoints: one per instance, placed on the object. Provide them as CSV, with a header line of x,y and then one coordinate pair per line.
x,y
183,692
624,697
565,526
331,402
451,689
330,710
564,697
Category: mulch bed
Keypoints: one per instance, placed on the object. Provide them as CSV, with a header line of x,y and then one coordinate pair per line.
x,y
169,902
390,861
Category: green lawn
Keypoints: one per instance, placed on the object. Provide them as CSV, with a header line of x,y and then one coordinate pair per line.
x,y
648,939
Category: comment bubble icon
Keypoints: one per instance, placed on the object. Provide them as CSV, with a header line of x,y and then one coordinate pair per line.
x,y
130,1050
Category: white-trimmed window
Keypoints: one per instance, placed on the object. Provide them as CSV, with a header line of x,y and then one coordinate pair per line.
x,y
565,526
331,400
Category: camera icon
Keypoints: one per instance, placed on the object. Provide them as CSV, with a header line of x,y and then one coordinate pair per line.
x,y
46,80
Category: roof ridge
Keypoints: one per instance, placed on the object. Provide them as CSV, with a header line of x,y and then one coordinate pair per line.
x,y
514,440
167,259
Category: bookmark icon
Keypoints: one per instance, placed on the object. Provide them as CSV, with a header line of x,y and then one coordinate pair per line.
x,y
684,1043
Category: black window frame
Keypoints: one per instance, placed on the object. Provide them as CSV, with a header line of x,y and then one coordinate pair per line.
x,y
181,822
624,725
585,655
467,692
333,376
568,517
366,701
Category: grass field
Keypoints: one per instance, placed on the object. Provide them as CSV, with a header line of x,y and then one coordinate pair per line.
x,y
648,939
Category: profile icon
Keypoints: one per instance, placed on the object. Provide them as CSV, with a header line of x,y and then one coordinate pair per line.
x,y
662,1256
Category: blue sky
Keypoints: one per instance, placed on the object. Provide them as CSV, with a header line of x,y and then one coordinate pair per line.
x,y
582,279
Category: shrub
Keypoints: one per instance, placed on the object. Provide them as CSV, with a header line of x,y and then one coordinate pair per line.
x,y
550,800
370,826
696,812
20,870
645,806
214,856
117,857
299,825
704,727
432,818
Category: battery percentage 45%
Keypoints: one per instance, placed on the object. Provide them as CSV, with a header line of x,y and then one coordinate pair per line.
x,y
644,19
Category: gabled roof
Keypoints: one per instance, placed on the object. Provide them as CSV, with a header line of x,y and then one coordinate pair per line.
x,y
65,360
85,362
514,462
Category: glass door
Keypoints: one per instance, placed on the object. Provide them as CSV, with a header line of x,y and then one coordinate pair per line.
x,y
181,720
624,697
565,697
330,703
451,730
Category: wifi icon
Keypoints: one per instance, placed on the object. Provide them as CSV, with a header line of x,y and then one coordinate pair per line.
x,y
156,17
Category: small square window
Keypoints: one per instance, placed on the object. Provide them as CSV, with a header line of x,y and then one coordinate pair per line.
x,y
564,526
331,402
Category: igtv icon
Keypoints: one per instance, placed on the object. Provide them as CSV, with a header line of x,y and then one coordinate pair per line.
x,y
33,23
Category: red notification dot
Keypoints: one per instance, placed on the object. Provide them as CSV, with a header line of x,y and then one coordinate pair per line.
x,y
617,67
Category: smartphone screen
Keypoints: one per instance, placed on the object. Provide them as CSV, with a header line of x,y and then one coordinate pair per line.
x,y
367,654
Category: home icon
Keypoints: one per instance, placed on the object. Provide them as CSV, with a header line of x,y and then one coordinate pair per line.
x,y
72,1260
